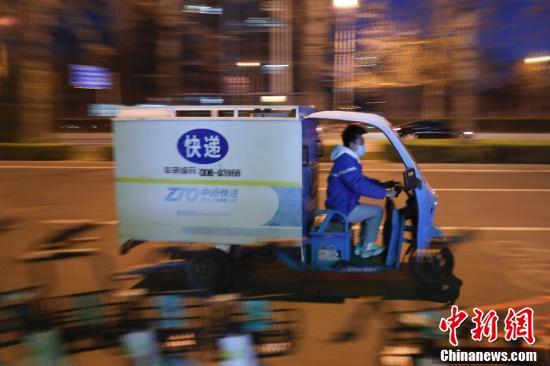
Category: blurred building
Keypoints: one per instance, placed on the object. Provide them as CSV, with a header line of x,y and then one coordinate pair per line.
x,y
66,59
344,55
67,62
7,80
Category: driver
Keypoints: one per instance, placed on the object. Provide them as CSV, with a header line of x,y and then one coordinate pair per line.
x,y
346,184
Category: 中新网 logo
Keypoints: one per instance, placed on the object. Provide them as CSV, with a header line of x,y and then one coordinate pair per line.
x,y
202,146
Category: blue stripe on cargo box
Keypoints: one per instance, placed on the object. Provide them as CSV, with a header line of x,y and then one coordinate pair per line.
x,y
289,211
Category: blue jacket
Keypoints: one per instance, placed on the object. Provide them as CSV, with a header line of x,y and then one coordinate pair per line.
x,y
346,182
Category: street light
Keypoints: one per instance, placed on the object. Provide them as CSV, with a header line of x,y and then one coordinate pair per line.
x,y
248,64
532,60
7,21
345,3
273,98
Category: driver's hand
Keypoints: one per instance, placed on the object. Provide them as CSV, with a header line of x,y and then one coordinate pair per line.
x,y
390,184
391,193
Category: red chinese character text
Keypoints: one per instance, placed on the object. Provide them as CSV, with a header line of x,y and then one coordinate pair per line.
x,y
451,323
520,325
485,325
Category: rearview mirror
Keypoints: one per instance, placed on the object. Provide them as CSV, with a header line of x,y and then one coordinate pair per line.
x,y
410,180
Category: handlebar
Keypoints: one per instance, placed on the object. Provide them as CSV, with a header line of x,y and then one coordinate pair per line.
x,y
397,186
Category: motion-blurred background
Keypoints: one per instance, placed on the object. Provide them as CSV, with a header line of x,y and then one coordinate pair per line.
x,y
434,68
67,65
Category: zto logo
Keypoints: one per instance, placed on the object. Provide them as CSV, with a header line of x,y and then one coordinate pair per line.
x,y
202,146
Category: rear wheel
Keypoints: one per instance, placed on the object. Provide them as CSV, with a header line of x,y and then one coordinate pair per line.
x,y
208,271
431,265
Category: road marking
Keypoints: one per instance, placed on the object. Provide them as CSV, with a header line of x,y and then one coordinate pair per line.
x,y
456,170
496,228
510,190
463,228
485,170
53,167
491,190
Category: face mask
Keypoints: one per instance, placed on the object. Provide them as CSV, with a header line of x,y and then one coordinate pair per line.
x,y
361,151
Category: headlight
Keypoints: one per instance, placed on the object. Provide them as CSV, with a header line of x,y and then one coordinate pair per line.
x,y
434,195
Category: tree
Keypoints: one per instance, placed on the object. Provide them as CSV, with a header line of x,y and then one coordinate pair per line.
x,y
534,83
388,58
445,58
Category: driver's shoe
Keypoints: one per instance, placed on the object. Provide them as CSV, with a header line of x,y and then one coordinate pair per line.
x,y
359,249
372,250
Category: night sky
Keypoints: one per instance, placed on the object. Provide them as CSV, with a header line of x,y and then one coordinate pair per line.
x,y
510,29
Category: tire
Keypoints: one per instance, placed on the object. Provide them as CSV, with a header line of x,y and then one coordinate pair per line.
x,y
208,271
432,267
225,261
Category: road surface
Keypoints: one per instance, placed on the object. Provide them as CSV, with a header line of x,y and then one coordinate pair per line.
x,y
506,263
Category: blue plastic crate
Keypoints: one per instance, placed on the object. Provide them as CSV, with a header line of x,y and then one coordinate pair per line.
x,y
330,241
328,248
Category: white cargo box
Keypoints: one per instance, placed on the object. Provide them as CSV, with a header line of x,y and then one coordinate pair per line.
x,y
224,174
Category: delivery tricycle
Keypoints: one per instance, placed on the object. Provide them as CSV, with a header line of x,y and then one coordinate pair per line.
x,y
213,180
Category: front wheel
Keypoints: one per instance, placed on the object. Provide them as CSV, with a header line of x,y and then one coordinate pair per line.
x,y
431,265
208,271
